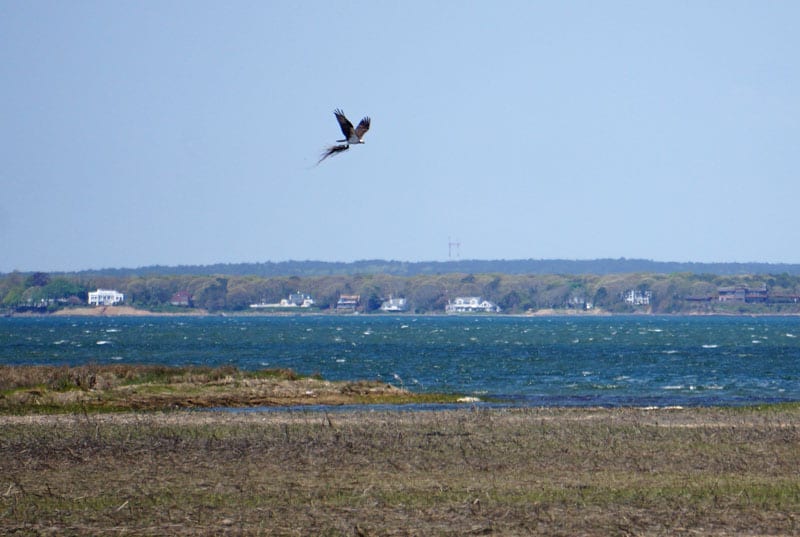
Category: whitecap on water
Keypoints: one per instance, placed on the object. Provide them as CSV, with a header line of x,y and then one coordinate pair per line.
x,y
790,335
605,386
117,358
103,342
710,346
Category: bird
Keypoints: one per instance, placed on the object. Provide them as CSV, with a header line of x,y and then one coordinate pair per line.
x,y
352,135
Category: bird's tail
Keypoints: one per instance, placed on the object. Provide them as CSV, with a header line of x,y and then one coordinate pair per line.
x,y
332,150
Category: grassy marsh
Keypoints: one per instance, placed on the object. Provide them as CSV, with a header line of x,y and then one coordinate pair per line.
x,y
462,472
93,388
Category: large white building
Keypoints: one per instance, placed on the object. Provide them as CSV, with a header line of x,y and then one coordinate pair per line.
x,y
105,297
468,304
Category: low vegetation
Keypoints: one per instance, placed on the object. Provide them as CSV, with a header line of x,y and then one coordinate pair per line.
x,y
468,472
89,388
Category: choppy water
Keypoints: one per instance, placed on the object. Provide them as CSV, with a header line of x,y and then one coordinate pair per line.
x,y
526,361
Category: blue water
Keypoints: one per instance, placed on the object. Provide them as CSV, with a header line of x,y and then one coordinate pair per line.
x,y
571,361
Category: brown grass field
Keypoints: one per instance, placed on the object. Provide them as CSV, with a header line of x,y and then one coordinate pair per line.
x,y
537,471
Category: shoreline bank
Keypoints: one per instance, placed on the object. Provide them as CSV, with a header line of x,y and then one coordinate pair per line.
x,y
129,311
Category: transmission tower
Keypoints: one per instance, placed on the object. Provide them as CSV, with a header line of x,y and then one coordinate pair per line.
x,y
453,244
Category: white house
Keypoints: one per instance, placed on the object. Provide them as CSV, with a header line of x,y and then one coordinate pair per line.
x,y
637,297
105,297
467,304
394,305
295,300
298,299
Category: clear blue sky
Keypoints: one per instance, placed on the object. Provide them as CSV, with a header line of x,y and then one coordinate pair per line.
x,y
172,132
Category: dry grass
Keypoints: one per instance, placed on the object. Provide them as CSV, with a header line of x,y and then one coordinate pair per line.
x,y
41,389
468,472
88,377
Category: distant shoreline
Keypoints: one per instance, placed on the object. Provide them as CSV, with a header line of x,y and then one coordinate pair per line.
x,y
129,311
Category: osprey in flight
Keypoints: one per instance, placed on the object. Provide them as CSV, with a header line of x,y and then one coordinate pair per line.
x,y
351,135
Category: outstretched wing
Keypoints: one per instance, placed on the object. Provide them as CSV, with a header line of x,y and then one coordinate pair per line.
x,y
332,150
363,127
344,123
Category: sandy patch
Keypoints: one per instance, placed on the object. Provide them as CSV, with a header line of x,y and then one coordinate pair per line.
x,y
119,311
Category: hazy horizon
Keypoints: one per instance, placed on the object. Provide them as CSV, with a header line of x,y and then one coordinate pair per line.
x,y
356,262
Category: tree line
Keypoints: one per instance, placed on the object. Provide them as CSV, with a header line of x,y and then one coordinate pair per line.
x,y
514,293
459,266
